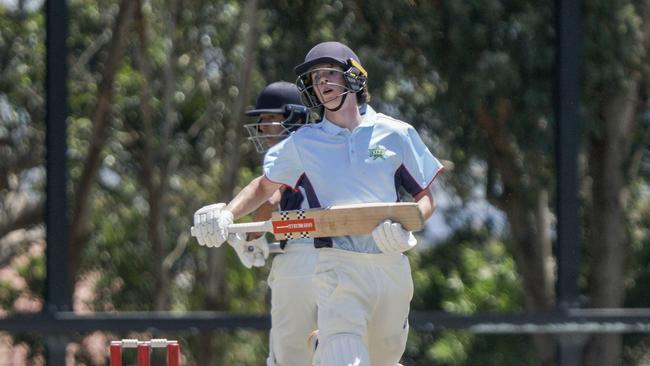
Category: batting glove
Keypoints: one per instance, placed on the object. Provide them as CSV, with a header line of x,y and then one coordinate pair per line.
x,y
211,224
392,238
251,253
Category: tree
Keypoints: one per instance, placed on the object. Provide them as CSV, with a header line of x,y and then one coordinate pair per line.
x,y
154,133
101,123
616,97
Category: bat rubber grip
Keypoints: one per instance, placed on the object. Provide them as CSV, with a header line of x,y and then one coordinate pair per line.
x,y
273,248
250,227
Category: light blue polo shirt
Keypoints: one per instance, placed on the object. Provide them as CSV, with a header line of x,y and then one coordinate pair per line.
x,y
336,166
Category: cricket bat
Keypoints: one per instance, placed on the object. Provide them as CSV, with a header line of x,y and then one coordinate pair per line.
x,y
354,219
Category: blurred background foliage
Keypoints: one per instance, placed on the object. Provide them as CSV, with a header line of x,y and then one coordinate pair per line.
x,y
157,91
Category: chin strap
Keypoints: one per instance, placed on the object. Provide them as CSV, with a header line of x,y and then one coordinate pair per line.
x,y
340,104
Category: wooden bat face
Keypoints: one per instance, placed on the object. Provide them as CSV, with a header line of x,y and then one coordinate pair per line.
x,y
357,219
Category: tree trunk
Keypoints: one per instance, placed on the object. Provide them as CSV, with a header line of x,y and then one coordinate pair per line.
x,y
215,286
529,224
154,174
233,143
101,123
613,164
526,206
608,151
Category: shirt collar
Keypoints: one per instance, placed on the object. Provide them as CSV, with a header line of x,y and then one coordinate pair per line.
x,y
330,127
368,117
333,129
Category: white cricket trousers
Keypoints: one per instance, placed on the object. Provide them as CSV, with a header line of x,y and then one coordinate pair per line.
x,y
293,305
363,307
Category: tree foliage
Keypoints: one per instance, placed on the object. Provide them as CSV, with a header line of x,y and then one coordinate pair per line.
x,y
156,94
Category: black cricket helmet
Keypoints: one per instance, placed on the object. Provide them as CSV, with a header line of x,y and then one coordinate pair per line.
x,y
280,97
336,53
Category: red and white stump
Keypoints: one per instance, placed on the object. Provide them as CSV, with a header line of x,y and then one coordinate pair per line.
x,y
144,351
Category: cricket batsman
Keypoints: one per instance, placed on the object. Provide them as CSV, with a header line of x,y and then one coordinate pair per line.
x,y
280,111
363,282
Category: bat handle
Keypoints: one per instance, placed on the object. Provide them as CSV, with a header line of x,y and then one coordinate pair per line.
x,y
248,227
251,227
273,248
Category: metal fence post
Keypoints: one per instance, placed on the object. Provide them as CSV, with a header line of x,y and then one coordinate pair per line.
x,y
57,294
567,138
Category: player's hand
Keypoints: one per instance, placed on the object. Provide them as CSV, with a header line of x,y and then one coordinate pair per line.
x,y
251,253
392,238
211,224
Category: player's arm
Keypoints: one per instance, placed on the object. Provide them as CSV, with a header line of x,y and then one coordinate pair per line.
x,y
267,208
265,211
258,191
426,203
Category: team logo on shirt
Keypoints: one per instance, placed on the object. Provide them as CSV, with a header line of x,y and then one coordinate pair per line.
x,y
376,152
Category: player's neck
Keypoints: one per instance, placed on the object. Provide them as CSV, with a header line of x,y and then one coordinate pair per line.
x,y
347,117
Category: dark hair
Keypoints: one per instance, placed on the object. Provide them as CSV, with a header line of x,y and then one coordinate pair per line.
x,y
363,95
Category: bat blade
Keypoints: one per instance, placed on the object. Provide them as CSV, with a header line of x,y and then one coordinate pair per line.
x,y
355,219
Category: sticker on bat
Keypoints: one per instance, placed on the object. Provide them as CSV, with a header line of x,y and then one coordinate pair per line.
x,y
293,226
